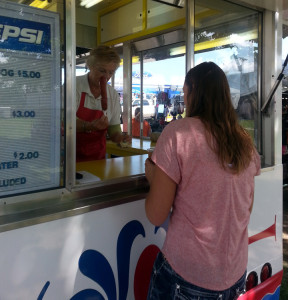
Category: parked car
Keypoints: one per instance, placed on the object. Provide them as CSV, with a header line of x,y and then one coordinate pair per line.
x,y
148,109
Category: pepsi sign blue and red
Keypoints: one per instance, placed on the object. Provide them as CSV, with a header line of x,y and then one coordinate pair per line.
x,y
24,35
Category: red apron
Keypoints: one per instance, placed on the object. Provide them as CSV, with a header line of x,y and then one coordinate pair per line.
x,y
90,146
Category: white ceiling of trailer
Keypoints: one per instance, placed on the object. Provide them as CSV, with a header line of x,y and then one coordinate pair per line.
x,y
101,5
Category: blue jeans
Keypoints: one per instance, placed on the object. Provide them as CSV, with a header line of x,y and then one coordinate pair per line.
x,y
166,284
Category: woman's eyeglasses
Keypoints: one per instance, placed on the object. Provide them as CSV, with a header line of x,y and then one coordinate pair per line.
x,y
106,72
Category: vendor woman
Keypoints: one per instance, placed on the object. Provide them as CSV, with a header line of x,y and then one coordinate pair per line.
x,y
96,119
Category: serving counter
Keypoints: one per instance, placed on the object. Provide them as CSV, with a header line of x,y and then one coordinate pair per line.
x,y
97,223
137,146
112,168
95,227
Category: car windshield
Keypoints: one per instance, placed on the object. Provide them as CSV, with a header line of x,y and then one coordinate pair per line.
x,y
137,102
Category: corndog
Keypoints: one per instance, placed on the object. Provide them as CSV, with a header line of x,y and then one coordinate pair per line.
x,y
103,83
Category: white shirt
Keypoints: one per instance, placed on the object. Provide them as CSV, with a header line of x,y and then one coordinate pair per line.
x,y
113,102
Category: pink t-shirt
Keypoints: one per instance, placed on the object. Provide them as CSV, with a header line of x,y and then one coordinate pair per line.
x,y
207,238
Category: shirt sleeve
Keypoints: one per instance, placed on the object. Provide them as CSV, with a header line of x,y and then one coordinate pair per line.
x,y
165,154
112,129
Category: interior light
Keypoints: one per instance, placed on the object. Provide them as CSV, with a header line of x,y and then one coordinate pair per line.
x,y
178,51
89,3
84,2
40,3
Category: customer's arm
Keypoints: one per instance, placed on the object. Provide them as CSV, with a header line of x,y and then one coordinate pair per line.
x,y
160,198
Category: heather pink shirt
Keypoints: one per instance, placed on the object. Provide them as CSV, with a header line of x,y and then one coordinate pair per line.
x,y
207,238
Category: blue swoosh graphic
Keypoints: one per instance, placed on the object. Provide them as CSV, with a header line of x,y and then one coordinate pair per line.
x,y
95,266
88,294
124,245
42,293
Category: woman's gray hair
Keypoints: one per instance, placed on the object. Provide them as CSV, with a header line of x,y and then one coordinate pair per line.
x,y
102,54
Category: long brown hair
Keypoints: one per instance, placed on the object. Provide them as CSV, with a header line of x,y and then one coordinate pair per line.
x,y
209,99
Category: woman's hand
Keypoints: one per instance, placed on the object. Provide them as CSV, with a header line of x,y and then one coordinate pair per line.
x,y
99,124
119,137
126,138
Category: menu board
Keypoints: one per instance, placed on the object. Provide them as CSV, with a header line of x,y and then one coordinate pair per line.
x,y
30,99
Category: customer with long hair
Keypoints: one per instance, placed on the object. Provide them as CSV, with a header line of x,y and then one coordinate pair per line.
x,y
202,172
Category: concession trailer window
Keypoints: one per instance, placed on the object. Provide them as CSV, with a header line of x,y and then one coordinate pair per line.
x,y
225,33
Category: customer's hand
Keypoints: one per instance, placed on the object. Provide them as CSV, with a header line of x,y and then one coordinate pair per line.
x,y
149,170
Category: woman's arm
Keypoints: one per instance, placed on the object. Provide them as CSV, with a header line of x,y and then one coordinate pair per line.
x,y
161,196
116,135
